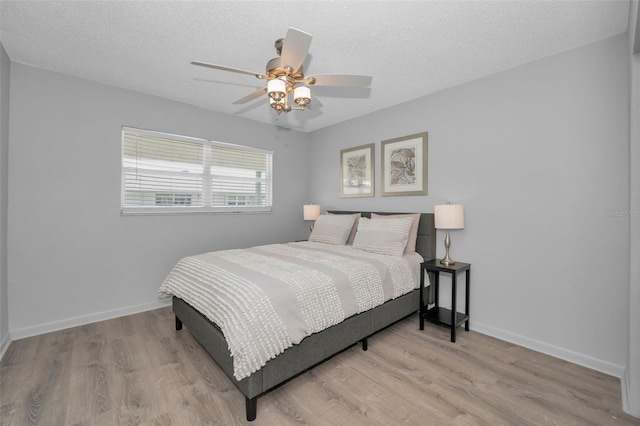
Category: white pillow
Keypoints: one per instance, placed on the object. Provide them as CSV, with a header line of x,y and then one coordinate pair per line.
x,y
332,229
383,236
413,234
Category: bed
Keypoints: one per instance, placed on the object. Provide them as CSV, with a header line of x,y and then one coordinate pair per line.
x,y
318,346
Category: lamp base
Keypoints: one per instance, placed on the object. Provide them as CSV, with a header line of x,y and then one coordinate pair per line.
x,y
447,243
447,261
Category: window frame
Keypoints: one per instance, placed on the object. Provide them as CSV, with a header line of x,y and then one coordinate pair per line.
x,y
207,184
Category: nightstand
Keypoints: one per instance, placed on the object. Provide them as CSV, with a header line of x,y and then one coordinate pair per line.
x,y
443,316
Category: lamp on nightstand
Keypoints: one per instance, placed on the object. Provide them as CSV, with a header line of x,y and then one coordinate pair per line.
x,y
448,216
311,212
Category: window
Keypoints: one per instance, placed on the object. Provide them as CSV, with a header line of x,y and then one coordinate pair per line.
x,y
163,173
173,199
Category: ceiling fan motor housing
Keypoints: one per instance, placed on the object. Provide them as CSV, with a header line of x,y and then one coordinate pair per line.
x,y
275,70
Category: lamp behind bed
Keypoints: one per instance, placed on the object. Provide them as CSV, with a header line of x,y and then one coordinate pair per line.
x,y
311,212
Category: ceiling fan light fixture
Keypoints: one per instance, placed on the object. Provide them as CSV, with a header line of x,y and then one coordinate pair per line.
x,y
302,95
277,105
276,89
285,75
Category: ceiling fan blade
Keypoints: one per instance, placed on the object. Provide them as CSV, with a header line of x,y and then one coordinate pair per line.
x,y
251,96
339,80
294,49
220,67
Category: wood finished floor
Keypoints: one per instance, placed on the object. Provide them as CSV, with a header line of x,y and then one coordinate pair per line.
x,y
139,370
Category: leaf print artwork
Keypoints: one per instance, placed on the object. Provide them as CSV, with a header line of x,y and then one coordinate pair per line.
x,y
403,166
356,170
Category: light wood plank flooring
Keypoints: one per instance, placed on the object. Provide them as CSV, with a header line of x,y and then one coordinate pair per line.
x,y
139,370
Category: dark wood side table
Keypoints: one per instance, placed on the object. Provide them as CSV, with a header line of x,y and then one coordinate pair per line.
x,y
443,316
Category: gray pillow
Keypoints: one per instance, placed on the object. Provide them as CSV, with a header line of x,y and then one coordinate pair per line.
x,y
354,228
383,236
332,229
413,234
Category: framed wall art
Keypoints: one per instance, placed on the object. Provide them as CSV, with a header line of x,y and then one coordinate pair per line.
x,y
404,165
357,171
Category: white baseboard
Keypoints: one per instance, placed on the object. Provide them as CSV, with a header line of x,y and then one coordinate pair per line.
x,y
545,348
624,383
628,405
85,319
4,344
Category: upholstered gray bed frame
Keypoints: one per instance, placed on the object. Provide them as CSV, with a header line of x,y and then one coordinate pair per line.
x,y
315,348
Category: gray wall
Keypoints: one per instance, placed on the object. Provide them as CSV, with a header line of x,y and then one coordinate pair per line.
x,y
538,156
73,258
4,190
631,383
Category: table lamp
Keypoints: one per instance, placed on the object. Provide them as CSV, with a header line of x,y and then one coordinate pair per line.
x,y
448,216
311,212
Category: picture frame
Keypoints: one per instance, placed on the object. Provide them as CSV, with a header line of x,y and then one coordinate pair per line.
x,y
357,173
405,165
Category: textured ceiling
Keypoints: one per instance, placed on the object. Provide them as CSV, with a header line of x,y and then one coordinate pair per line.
x,y
411,48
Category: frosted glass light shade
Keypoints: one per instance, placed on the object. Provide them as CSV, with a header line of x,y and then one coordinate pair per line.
x,y
311,211
276,89
302,95
449,216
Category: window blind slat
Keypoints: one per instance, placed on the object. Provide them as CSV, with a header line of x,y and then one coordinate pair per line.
x,y
161,171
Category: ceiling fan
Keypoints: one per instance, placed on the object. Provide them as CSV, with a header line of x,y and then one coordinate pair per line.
x,y
285,75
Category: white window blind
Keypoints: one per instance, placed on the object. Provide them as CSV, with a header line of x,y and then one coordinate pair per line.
x,y
163,173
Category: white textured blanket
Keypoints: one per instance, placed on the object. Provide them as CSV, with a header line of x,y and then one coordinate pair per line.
x,y
268,298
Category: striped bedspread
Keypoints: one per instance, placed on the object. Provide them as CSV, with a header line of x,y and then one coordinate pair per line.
x,y
267,298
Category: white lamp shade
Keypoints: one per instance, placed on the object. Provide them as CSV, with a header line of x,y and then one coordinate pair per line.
x,y
311,211
276,88
302,95
449,216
